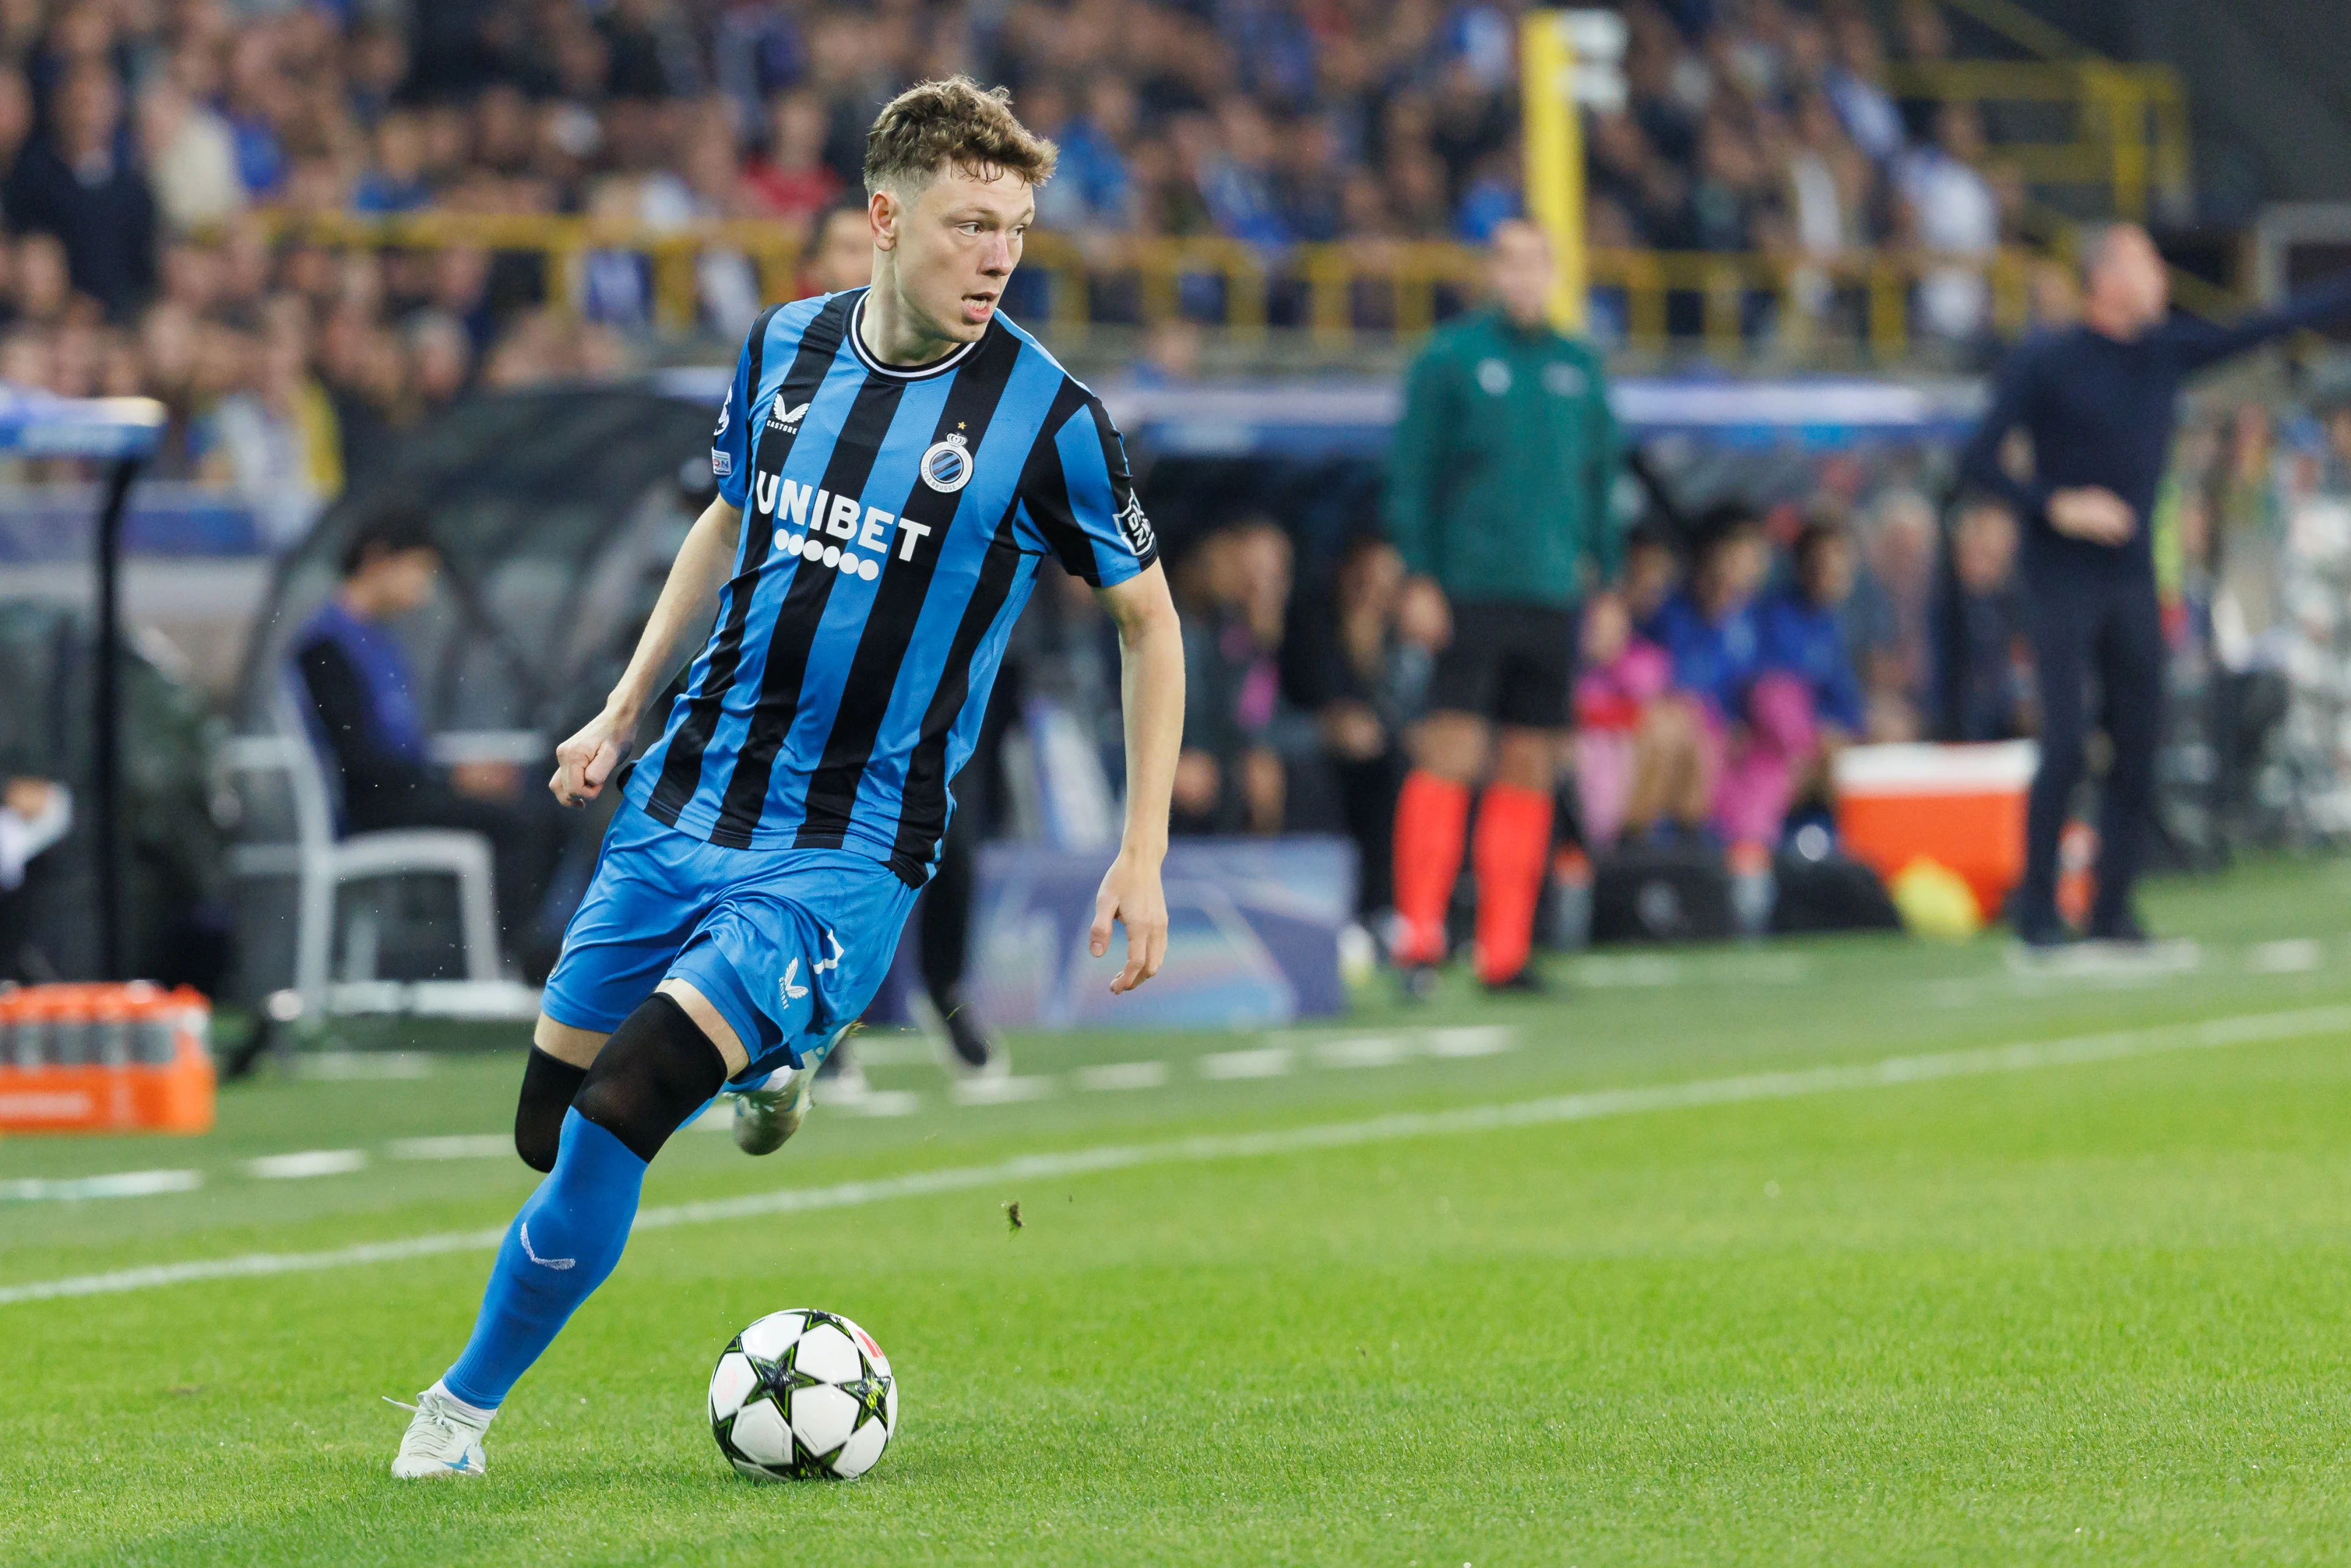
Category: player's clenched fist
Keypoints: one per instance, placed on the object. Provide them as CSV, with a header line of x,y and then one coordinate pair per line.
x,y
583,762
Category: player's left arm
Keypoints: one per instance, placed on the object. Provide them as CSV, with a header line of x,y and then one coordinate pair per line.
x,y
1151,649
1078,494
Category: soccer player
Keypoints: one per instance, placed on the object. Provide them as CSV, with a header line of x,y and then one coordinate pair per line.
x,y
893,463
843,261
1498,490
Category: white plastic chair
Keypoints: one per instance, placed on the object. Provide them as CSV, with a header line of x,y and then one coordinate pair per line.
x,y
321,865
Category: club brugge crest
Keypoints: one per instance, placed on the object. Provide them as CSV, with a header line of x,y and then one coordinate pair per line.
x,y
948,464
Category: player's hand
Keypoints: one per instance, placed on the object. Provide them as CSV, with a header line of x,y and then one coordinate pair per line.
x,y
583,762
2094,512
1131,895
1423,616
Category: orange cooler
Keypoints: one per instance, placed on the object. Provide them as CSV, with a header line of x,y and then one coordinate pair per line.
x,y
105,1058
1959,806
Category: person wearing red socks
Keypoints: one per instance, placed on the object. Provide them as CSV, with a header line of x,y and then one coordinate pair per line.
x,y
1498,498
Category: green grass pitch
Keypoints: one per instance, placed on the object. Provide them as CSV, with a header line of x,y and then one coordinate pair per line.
x,y
2084,1302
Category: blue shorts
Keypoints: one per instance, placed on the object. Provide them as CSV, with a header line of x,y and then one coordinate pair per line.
x,y
789,946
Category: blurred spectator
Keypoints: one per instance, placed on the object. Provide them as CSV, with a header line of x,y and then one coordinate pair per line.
x,y
362,688
191,158
1983,683
1952,212
842,255
1802,635
1885,617
1757,726
1638,762
1239,734
1854,84
1343,662
35,813
79,183
792,181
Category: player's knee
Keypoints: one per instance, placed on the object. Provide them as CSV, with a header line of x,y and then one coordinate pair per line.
x,y
657,1070
548,1084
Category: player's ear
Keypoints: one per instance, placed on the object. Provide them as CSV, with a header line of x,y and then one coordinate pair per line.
x,y
882,211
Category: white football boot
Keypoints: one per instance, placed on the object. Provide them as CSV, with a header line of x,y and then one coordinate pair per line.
x,y
772,1110
444,1438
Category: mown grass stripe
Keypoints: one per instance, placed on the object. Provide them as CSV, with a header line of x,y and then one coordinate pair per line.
x,y
1585,1106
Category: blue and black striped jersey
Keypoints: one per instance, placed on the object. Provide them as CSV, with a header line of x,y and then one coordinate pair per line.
x,y
894,520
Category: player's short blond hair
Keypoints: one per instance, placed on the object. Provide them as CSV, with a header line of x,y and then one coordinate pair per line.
x,y
955,122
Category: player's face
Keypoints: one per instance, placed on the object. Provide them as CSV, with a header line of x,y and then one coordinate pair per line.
x,y
957,243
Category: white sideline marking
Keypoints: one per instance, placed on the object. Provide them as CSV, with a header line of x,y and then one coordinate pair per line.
x,y
876,1103
1001,1091
1272,1062
1591,1106
120,1184
1115,1075
2293,957
456,1146
1363,1050
308,1163
362,1066
1472,1039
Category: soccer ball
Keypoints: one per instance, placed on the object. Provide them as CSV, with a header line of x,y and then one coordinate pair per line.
x,y
802,1395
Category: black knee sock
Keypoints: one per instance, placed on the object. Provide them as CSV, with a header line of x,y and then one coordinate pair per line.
x,y
657,1070
547,1085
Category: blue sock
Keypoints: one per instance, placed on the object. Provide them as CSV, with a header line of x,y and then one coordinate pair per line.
x,y
567,1238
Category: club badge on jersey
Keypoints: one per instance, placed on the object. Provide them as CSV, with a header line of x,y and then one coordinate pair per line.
x,y
946,465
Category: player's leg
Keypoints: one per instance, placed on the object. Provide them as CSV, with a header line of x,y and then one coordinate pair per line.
x,y
944,912
656,1071
1512,852
787,963
559,1058
1431,825
2130,675
640,908
1449,756
2063,625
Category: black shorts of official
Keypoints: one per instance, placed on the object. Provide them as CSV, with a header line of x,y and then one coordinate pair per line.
x,y
1511,664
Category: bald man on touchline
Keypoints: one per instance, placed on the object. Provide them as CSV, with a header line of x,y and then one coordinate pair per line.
x,y
2099,403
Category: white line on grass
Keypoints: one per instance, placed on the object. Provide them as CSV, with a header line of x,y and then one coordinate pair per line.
x,y
1113,1076
1272,1062
120,1184
1001,1091
1588,1106
307,1164
454,1146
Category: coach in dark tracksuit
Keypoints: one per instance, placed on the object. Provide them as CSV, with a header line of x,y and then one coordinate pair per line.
x,y
2098,402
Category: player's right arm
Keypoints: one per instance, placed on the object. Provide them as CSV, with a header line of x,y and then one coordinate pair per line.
x,y
585,761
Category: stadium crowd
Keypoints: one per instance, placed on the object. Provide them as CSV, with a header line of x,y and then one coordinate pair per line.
x,y
149,150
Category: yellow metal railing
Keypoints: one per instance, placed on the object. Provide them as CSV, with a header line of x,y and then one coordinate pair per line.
x,y
2130,122
1340,296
